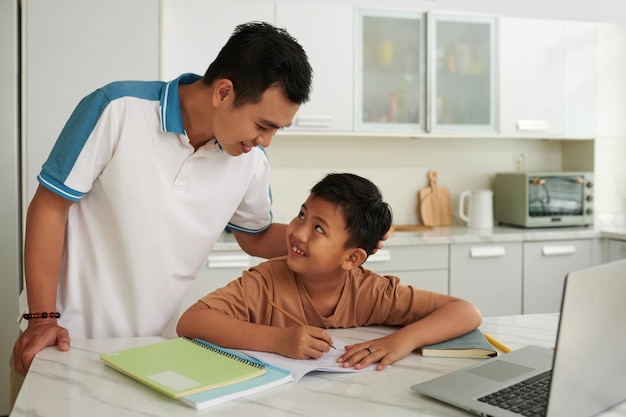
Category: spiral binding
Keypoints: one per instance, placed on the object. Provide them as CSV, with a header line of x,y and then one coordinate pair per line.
x,y
229,353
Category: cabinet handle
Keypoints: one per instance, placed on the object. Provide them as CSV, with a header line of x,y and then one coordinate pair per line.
x,y
558,250
314,121
382,255
229,261
532,125
487,252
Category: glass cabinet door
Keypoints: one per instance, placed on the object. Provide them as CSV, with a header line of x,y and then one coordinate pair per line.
x,y
461,74
389,71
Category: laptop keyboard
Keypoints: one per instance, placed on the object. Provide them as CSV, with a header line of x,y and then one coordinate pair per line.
x,y
528,398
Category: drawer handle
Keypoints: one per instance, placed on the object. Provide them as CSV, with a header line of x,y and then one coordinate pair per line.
x,y
314,121
558,250
487,252
532,125
229,261
382,255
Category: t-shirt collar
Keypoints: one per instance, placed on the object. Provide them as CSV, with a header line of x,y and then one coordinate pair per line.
x,y
171,115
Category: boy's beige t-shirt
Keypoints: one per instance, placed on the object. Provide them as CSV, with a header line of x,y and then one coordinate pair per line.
x,y
367,299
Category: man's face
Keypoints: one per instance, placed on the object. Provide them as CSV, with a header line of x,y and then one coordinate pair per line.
x,y
240,129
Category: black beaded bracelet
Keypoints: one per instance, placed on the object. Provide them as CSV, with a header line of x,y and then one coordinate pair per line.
x,y
52,315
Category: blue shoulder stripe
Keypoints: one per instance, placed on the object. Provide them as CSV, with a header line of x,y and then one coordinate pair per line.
x,y
79,127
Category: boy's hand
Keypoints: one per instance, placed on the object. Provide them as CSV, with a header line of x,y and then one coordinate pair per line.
x,y
303,342
385,350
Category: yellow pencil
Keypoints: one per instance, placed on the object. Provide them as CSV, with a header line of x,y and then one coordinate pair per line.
x,y
286,313
291,316
497,344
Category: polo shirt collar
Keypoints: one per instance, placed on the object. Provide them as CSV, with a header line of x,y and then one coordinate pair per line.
x,y
171,114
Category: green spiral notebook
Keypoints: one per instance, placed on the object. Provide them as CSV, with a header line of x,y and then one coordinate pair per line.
x,y
274,376
182,366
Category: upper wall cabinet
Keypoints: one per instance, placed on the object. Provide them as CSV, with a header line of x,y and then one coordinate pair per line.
x,y
548,81
389,74
461,74
326,33
581,80
404,83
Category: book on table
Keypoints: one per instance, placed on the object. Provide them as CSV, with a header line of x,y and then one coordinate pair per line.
x,y
181,366
470,345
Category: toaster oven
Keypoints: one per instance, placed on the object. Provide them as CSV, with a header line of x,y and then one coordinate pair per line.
x,y
544,199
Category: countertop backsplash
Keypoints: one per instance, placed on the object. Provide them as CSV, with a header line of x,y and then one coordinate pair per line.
x,y
399,166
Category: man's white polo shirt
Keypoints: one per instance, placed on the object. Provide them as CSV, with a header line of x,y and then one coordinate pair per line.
x,y
149,209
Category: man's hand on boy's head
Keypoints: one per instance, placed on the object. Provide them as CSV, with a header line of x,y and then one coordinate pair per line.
x,y
380,243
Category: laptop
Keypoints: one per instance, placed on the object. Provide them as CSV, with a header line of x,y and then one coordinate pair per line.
x,y
587,369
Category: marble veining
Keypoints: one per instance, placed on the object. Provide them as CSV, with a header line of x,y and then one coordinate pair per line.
x,y
77,383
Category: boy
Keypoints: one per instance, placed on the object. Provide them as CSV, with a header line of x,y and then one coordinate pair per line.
x,y
322,282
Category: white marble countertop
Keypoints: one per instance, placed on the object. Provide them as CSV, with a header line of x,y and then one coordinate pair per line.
x,y
462,234
77,383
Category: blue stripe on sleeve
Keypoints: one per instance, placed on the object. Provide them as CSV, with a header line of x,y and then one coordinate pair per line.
x,y
59,189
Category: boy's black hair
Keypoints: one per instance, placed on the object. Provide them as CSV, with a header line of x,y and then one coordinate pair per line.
x,y
259,56
366,215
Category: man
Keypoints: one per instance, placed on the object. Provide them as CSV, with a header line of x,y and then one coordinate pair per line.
x,y
142,181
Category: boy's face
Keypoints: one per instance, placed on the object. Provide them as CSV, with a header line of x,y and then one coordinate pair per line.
x,y
240,129
316,239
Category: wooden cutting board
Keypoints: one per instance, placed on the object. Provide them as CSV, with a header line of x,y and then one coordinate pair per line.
x,y
434,203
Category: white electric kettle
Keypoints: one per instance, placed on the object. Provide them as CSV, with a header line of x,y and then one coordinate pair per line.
x,y
479,210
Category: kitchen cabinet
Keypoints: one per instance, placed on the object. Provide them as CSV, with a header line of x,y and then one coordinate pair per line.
x,y
424,267
616,250
547,84
194,31
397,91
531,77
390,69
581,80
545,266
326,33
489,275
461,88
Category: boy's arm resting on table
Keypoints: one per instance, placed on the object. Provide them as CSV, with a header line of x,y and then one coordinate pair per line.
x,y
45,234
299,342
451,317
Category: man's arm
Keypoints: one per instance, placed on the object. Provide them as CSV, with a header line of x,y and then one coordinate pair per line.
x,y
300,342
269,244
45,234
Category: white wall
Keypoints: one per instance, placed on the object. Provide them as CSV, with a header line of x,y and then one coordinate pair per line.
x,y
10,226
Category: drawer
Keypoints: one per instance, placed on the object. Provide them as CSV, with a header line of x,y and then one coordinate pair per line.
x,y
404,258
